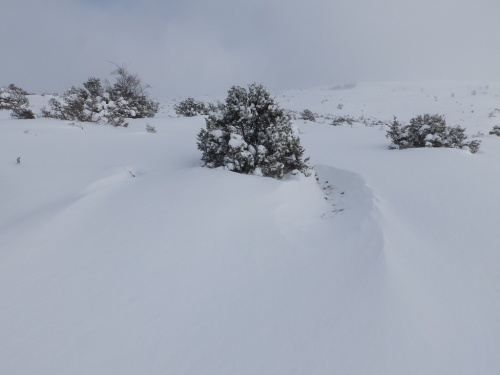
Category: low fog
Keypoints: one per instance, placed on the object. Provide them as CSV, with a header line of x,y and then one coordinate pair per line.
x,y
199,47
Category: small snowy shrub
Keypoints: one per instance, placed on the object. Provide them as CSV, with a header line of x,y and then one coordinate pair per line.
x,y
429,131
190,107
342,120
13,98
307,115
251,134
150,129
108,103
23,112
212,108
340,106
18,90
130,95
495,130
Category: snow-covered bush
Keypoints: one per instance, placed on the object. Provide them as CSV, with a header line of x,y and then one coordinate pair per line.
x,y
150,129
108,103
495,130
18,90
342,120
190,107
214,107
429,131
307,115
251,134
130,95
14,99
23,112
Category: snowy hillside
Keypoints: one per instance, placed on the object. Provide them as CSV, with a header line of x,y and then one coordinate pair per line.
x,y
119,254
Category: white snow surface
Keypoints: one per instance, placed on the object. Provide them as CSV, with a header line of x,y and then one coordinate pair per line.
x,y
390,265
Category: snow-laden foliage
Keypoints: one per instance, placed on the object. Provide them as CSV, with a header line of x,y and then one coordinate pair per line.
x,y
306,114
14,99
495,130
190,107
108,103
130,95
342,120
251,134
150,128
429,131
18,90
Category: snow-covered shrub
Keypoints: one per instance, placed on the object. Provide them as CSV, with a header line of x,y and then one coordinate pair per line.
x,y
23,112
150,129
108,103
130,95
190,107
429,131
214,107
13,98
18,90
495,130
251,134
307,115
342,120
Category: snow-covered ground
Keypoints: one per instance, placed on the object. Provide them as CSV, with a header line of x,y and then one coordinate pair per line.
x,y
389,265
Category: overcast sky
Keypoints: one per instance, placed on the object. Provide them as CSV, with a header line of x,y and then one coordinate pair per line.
x,y
195,47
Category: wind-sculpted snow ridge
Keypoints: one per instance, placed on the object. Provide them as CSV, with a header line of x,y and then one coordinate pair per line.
x,y
431,282
345,190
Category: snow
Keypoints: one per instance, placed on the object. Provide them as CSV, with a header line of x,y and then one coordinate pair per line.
x,y
236,141
389,265
217,133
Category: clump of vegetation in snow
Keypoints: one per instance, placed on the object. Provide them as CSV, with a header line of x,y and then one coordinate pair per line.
x,y
150,129
342,120
429,131
495,130
251,134
18,90
306,114
108,103
14,99
190,107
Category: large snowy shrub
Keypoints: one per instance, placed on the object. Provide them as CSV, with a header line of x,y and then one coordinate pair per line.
x,y
14,99
250,133
429,131
108,103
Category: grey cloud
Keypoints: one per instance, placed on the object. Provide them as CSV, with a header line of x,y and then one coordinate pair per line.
x,y
196,47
